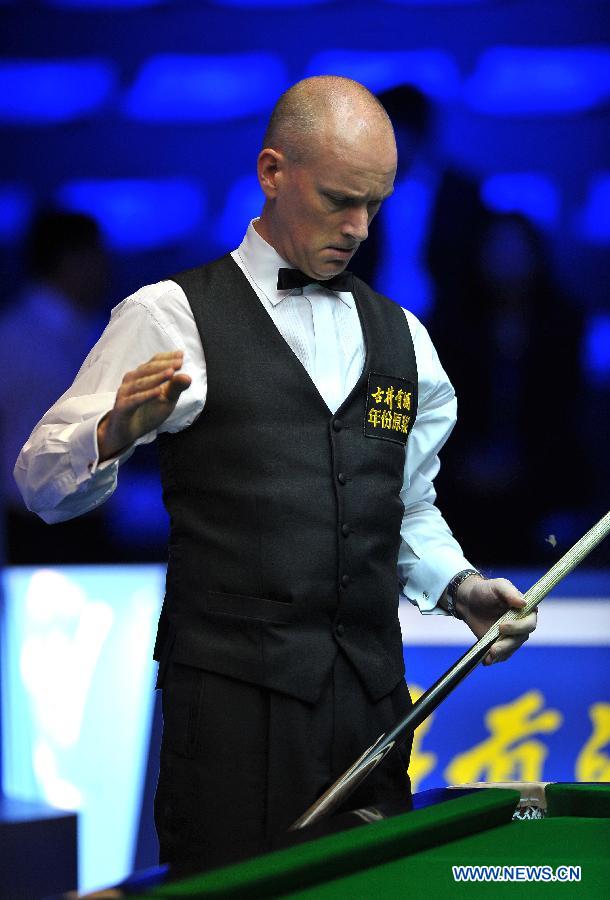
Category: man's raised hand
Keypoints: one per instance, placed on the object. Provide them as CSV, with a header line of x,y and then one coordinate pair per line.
x,y
144,400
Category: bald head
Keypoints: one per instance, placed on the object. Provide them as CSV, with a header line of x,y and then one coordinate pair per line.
x,y
327,164
319,110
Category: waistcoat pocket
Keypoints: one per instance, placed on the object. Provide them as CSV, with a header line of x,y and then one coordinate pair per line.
x,y
244,607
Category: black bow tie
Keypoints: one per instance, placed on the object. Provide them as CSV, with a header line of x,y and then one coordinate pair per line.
x,y
293,278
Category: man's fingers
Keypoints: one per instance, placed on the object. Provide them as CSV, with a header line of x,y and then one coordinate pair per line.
x,y
503,648
143,401
145,382
138,398
159,370
168,389
167,354
512,636
164,357
494,596
154,366
506,591
176,386
515,600
520,626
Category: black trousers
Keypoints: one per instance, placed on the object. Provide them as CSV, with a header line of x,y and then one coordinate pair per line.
x,y
240,763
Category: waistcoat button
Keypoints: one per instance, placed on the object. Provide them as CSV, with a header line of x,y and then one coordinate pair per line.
x,y
341,478
345,580
345,529
340,629
337,424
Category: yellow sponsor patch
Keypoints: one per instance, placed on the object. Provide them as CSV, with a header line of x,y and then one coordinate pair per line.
x,y
390,408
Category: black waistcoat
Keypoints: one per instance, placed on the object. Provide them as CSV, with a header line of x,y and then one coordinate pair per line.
x,y
285,519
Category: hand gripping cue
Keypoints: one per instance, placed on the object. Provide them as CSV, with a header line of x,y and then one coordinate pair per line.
x,y
428,702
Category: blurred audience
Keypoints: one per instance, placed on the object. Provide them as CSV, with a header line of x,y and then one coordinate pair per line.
x,y
513,478
46,331
421,248
508,339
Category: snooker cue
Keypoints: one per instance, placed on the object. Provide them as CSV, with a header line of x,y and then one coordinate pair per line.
x,y
429,701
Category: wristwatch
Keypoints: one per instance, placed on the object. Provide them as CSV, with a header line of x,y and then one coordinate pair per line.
x,y
452,589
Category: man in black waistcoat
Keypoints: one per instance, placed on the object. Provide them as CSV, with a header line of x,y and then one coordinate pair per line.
x,y
279,643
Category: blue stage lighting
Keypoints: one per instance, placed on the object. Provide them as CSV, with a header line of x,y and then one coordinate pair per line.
x,y
77,700
138,214
597,349
173,88
402,273
77,691
439,2
511,81
137,513
33,91
244,202
435,72
265,4
529,193
101,4
15,211
593,223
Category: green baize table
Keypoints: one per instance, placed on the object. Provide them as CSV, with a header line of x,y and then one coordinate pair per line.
x,y
412,855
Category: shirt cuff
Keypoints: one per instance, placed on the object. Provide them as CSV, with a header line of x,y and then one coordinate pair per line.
x,y
84,451
428,578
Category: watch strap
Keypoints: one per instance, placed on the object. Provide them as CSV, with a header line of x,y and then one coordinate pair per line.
x,y
452,589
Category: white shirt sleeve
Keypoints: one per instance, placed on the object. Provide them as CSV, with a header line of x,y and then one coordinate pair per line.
x,y
429,555
58,470
60,477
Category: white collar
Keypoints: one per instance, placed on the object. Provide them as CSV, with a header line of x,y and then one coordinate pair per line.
x,y
261,262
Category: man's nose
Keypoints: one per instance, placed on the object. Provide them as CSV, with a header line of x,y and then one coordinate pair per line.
x,y
356,224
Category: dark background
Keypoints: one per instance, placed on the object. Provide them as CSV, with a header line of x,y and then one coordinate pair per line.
x,y
149,116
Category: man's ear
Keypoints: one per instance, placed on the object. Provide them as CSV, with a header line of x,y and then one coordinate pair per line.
x,y
270,166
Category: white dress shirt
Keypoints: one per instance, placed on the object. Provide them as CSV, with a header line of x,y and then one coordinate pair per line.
x,y
58,470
